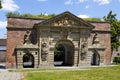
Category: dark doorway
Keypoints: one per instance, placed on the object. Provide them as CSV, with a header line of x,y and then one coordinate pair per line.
x,y
64,53
95,60
59,55
28,60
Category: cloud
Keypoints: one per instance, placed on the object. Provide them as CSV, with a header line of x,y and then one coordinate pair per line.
x,y
9,5
83,16
81,1
71,2
3,24
102,2
87,6
42,0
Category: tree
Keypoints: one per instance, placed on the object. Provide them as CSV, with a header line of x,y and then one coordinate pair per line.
x,y
59,53
0,4
115,29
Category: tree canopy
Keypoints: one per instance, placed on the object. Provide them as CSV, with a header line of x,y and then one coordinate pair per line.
x,y
115,29
59,53
0,4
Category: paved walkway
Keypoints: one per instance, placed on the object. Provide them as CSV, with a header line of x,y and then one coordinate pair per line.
x,y
5,75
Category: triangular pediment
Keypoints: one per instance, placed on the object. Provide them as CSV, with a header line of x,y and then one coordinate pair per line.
x,y
65,19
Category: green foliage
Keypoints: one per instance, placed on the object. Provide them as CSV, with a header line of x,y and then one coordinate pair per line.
x,y
13,14
27,15
117,59
0,4
93,19
45,16
59,53
115,29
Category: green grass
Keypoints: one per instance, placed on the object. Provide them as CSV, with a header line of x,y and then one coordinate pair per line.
x,y
35,69
97,73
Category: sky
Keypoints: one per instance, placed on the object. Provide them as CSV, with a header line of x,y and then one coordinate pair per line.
x,y
80,8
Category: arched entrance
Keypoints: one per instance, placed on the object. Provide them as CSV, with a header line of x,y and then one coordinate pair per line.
x,y
95,59
64,53
28,60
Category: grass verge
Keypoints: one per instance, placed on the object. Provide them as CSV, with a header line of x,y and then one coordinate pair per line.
x,y
96,73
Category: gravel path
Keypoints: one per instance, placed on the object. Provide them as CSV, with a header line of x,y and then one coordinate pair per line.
x,y
5,75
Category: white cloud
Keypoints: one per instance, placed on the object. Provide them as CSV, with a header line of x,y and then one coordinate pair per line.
x,y
83,16
87,6
102,2
3,24
81,1
9,5
42,0
69,2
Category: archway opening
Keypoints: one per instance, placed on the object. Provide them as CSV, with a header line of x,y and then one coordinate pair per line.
x,y
95,60
59,55
64,53
28,60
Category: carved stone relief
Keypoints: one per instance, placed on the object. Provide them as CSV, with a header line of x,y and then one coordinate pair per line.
x,y
83,51
64,33
44,49
27,37
65,22
96,40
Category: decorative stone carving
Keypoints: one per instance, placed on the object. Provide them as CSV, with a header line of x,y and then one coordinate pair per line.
x,y
64,22
44,49
27,37
83,51
96,40
84,39
64,33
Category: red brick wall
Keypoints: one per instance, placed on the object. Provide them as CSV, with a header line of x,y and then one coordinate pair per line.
x,y
16,30
14,38
105,38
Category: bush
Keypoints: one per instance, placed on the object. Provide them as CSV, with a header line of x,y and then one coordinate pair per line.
x,y
117,59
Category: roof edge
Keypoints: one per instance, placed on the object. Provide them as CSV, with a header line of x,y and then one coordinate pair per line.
x,y
28,18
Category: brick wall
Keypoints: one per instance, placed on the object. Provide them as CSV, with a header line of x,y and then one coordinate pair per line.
x,y
16,30
103,28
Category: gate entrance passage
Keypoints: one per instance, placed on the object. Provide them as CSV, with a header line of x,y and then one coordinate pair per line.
x,y
28,60
64,53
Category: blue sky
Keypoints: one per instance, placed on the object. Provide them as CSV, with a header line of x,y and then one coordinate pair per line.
x,y
81,8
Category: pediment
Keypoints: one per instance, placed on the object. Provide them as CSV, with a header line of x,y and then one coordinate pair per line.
x,y
65,19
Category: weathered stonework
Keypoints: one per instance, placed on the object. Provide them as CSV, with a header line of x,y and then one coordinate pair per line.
x,y
85,43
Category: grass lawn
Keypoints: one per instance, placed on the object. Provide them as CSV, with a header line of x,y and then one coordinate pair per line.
x,y
35,69
94,73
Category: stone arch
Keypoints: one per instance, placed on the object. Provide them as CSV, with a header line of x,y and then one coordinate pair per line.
x,y
68,56
95,58
28,60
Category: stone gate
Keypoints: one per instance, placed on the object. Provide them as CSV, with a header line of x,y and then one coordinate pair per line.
x,y
84,46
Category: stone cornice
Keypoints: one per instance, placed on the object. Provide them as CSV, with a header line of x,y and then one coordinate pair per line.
x,y
108,31
28,46
17,28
